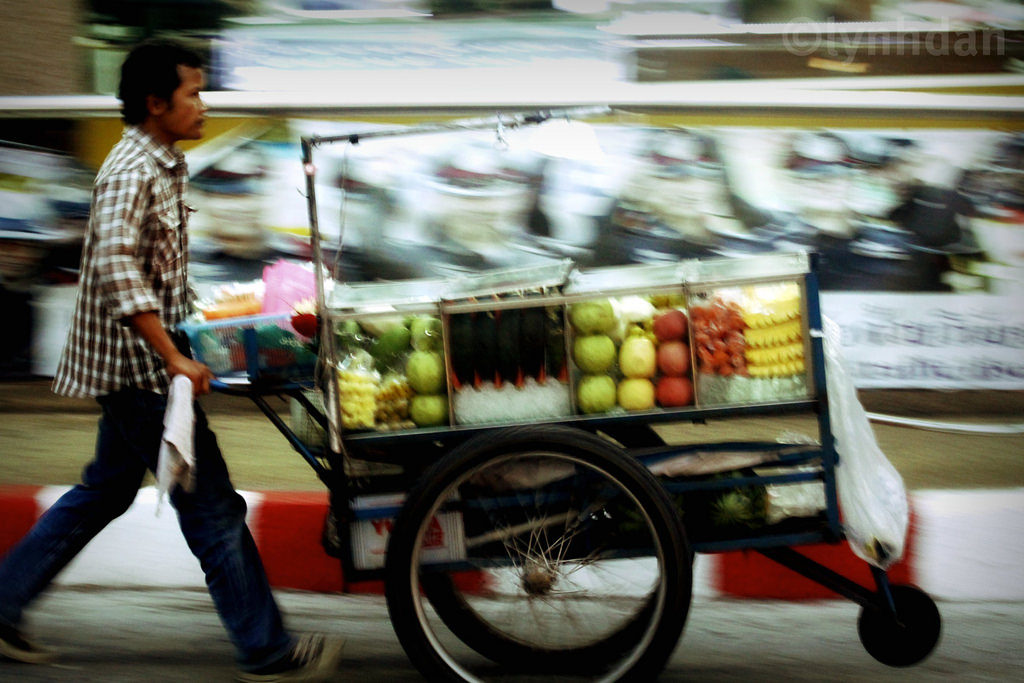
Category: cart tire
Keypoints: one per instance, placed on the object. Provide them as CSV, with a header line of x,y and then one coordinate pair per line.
x,y
906,638
586,563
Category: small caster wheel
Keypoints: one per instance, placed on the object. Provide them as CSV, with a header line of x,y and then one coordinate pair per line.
x,y
907,638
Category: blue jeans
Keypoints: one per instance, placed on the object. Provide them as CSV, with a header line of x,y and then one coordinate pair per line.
x,y
212,519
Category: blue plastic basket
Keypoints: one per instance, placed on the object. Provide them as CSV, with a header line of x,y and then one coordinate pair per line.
x,y
259,347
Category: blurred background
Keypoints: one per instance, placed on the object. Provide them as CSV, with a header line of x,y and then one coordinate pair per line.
x,y
918,215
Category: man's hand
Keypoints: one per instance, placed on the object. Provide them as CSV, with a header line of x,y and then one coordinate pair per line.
x,y
150,328
198,373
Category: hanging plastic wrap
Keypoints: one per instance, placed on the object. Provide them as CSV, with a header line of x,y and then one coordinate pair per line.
x,y
872,497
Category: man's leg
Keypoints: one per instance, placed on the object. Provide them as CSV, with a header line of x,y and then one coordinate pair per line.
x,y
212,519
109,485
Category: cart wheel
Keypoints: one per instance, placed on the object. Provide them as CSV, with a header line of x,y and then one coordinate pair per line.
x,y
574,561
906,638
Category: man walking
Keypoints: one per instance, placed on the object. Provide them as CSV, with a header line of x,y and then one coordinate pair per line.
x,y
123,349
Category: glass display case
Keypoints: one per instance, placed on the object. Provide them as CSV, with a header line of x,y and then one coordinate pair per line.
x,y
556,343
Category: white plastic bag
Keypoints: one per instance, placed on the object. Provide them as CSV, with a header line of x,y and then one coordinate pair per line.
x,y
872,497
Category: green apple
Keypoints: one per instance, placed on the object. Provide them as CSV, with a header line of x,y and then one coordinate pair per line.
x,y
593,353
425,372
425,333
592,317
429,411
595,394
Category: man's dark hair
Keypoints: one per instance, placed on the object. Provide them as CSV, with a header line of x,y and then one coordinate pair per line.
x,y
151,68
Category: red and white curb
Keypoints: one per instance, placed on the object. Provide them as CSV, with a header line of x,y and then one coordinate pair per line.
x,y
962,545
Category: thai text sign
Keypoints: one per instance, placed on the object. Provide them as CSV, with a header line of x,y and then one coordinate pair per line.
x,y
964,341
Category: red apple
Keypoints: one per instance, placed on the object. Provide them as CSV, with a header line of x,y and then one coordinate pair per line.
x,y
673,358
670,325
674,391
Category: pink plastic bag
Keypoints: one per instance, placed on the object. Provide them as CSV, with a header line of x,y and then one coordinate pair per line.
x,y
287,284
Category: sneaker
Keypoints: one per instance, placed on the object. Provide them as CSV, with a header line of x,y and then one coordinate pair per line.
x,y
13,645
314,657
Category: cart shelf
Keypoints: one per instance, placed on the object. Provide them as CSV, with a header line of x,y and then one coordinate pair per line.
x,y
587,422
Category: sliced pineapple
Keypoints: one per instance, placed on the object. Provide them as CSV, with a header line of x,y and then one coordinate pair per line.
x,y
775,354
784,369
775,335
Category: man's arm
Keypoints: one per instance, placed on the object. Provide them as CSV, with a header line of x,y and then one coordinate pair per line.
x,y
149,327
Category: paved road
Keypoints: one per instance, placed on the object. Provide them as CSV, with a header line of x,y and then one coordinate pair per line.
x,y
155,636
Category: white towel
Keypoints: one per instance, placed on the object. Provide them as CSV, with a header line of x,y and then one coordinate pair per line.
x,y
176,462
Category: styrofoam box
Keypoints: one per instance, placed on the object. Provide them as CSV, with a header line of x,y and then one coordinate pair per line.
x,y
375,516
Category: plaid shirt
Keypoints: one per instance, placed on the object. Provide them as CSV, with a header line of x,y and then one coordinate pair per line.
x,y
135,259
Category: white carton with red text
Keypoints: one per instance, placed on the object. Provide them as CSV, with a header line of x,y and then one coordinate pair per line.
x,y
375,517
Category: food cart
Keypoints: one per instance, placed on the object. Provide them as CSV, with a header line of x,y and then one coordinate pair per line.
x,y
490,450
